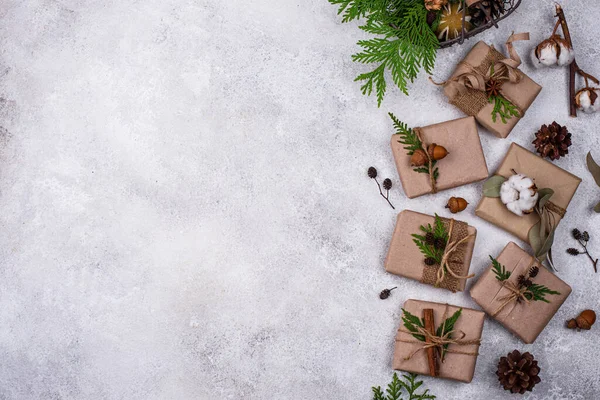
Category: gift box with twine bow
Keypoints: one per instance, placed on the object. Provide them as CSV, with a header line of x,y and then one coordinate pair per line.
x,y
439,340
519,293
489,86
452,255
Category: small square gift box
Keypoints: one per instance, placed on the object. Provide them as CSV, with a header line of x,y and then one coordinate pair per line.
x,y
438,340
457,141
434,250
489,86
520,294
528,197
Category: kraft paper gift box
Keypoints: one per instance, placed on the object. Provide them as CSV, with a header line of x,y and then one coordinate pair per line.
x,y
545,175
525,319
466,88
404,257
460,357
464,164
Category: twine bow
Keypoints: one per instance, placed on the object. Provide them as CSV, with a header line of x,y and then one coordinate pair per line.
x,y
516,293
451,247
495,66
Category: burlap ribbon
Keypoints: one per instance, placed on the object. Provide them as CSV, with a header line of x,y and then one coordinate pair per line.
x,y
448,273
438,342
467,91
419,133
516,294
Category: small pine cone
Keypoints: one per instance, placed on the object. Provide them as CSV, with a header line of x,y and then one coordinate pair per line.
x,y
439,243
527,283
585,236
534,271
552,141
429,238
518,372
572,251
521,280
372,172
430,261
576,234
387,183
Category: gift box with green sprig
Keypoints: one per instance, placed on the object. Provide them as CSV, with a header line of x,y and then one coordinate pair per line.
x,y
434,250
528,196
437,157
519,293
439,340
489,86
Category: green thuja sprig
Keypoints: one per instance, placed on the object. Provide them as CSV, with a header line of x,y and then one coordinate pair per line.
x,y
428,247
504,108
411,143
395,388
537,292
499,270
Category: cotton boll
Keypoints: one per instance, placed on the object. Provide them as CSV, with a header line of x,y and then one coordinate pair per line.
x,y
520,182
515,208
567,54
587,100
519,194
545,54
508,194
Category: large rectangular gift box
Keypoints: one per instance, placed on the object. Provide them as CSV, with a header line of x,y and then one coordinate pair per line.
x,y
460,356
545,175
464,164
404,257
510,293
466,88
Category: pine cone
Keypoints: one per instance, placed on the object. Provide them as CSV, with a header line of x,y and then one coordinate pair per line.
x,y
430,261
518,372
576,234
572,251
479,9
435,5
534,271
552,141
372,172
429,238
387,183
439,243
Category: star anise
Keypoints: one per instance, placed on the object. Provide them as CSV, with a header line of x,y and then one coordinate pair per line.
x,y
492,87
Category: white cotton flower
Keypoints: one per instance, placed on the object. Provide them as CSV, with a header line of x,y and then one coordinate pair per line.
x,y
567,54
552,52
587,100
519,194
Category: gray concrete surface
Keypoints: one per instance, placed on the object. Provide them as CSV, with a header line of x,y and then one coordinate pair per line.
x,y
185,212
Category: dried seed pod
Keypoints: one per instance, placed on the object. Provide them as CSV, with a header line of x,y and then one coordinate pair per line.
x,y
387,183
419,158
587,101
430,261
436,152
456,204
584,321
385,293
372,172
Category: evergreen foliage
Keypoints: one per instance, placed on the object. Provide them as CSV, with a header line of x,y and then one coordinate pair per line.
x,y
439,232
395,388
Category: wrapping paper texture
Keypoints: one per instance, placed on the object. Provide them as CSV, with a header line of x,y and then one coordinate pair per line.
x,y
521,94
525,321
464,164
404,257
545,175
460,367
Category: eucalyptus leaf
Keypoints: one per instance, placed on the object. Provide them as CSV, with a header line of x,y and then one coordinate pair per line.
x,y
593,167
534,238
547,246
491,187
544,196
543,226
597,208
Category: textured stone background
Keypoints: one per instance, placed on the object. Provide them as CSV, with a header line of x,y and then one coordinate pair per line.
x,y
185,212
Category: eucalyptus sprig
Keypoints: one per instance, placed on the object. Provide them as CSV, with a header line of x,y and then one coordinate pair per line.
x,y
395,388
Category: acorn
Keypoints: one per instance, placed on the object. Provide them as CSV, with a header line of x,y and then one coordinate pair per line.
x,y
436,152
419,158
585,320
456,204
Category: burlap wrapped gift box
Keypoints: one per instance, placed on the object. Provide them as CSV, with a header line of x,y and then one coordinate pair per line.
x,y
464,164
525,320
545,175
456,365
478,62
405,259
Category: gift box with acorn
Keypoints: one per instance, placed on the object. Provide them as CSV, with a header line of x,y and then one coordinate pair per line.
x,y
438,157
431,249
489,86
528,196
439,340
519,293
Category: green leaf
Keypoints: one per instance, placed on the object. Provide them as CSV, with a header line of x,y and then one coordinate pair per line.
x,y
544,196
447,326
411,385
535,240
537,292
377,393
411,322
491,187
499,270
394,389
407,136
504,108
541,253
593,167
439,232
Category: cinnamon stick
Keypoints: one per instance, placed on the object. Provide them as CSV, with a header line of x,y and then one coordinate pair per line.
x,y
431,351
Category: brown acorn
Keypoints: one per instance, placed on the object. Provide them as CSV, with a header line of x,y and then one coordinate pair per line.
x,y
456,204
436,152
584,321
419,158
